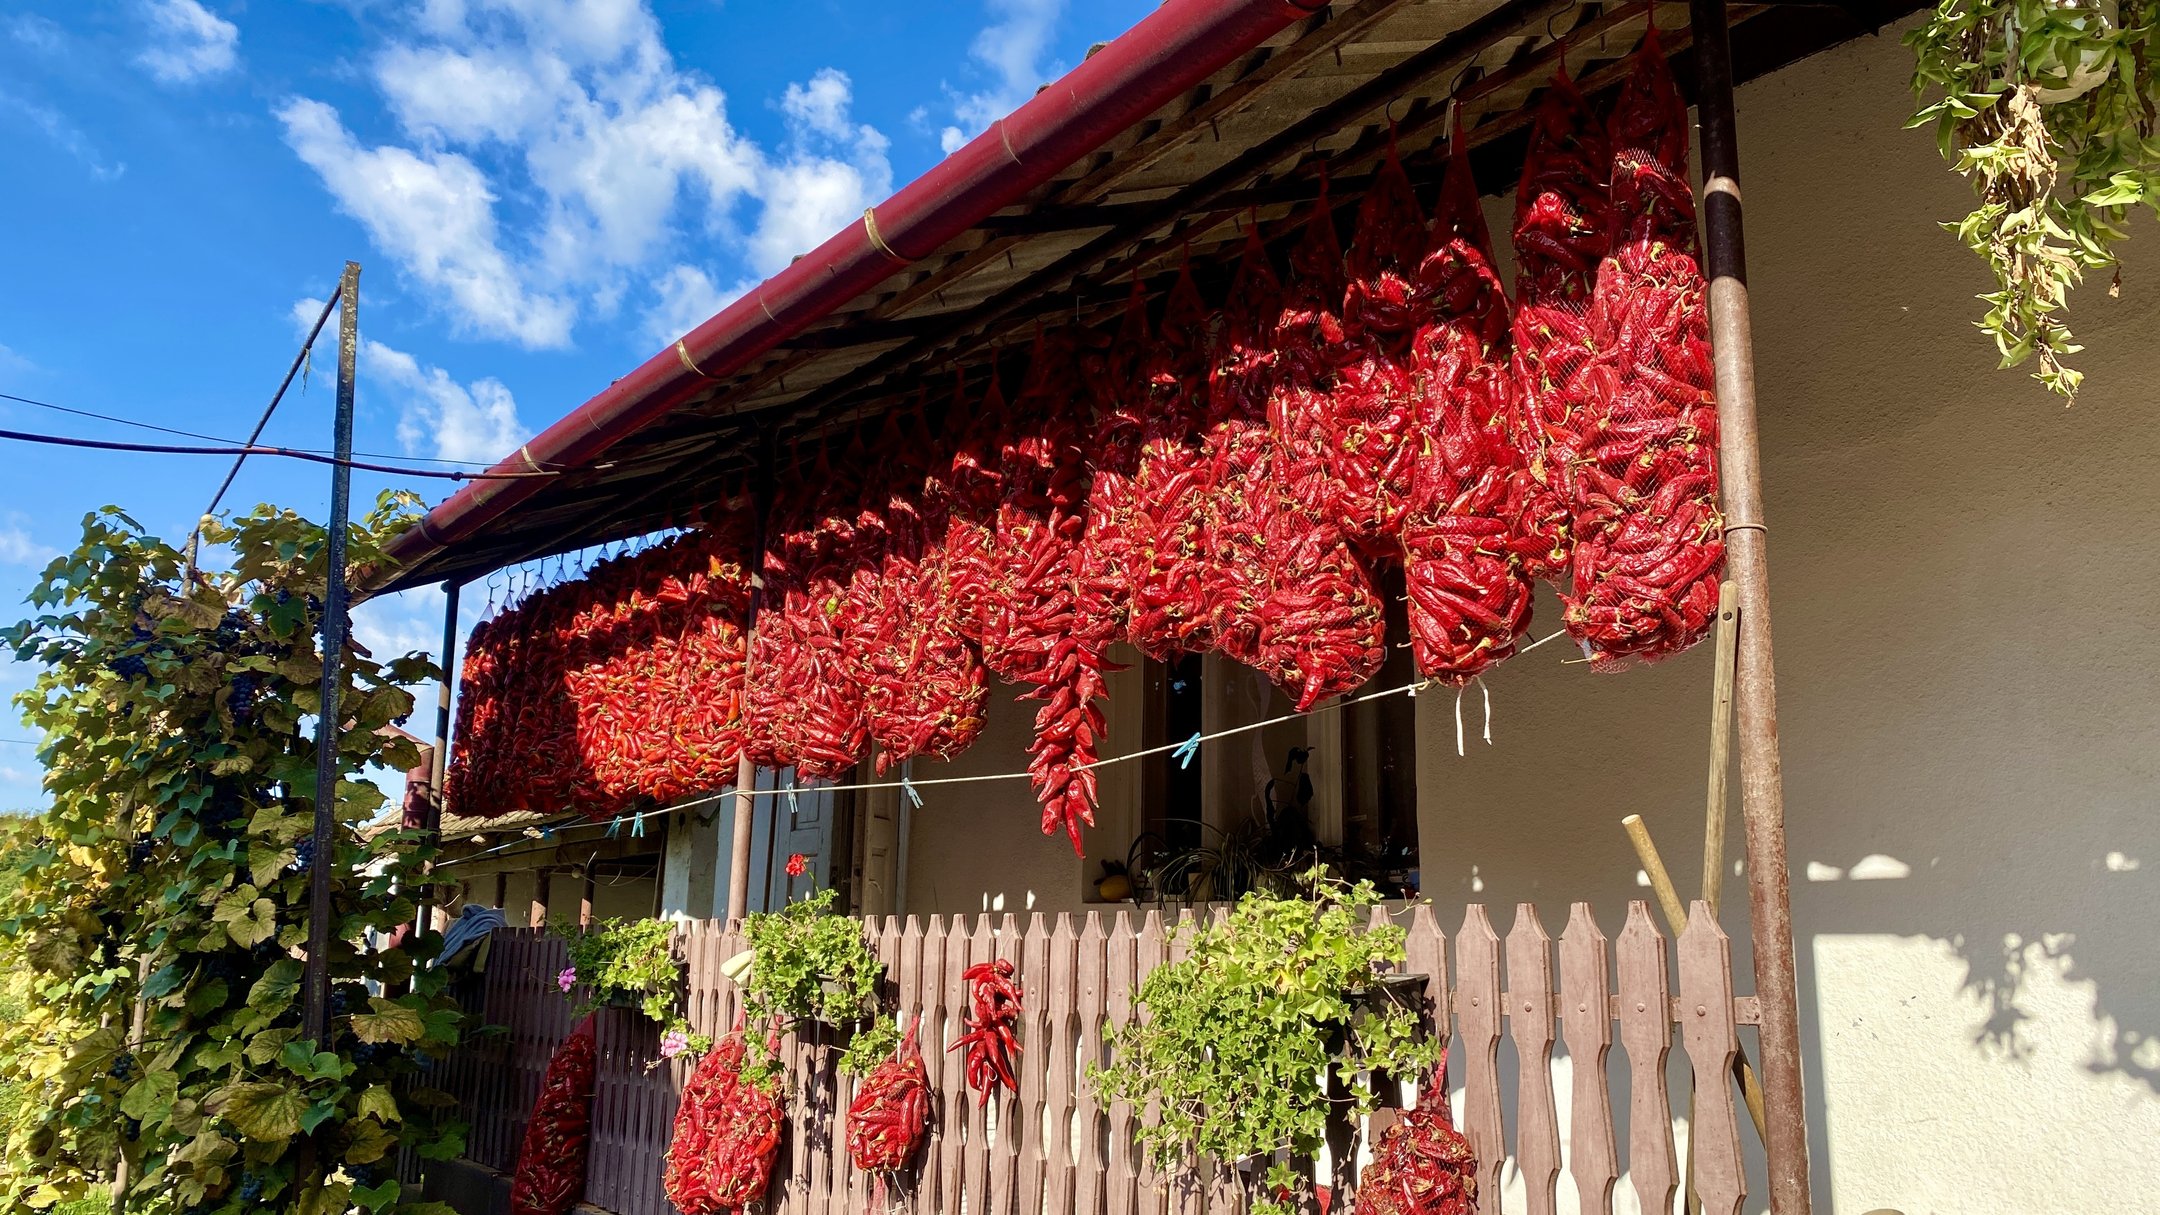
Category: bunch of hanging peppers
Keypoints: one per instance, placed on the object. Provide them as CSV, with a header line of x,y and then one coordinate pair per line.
x,y
1469,598
550,1175
1649,539
726,1138
991,1043
1422,1165
889,1120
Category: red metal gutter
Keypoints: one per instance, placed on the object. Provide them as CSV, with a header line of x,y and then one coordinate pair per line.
x,y
1171,50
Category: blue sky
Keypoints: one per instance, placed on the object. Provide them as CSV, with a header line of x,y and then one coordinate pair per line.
x,y
541,192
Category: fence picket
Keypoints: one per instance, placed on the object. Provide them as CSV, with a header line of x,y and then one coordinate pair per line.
x,y
1152,1189
1060,1048
1646,1032
1121,960
982,947
1587,1020
1706,1020
1477,1010
947,949
1090,1164
1530,1026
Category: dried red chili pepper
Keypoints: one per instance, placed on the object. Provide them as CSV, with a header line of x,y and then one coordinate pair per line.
x,y
889,1121
1110,379
991,1043
550,1174
726,1137
1563,230
1469,598
1649,540
1422,1165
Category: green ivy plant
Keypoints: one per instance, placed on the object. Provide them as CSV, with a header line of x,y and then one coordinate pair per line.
x,y
158,908
631,960
809,964
1240,1034
2048,109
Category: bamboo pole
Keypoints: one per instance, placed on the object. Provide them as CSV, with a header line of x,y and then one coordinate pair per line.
x,y
1721,698
1747,556
738,896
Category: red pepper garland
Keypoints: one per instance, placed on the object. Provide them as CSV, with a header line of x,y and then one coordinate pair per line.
x,y
550,1174
727,1136
994,1005
1370,417
1563,230
889,1121
1422,1164
1468,596
1238,452
1169,600
974,483
926,687
1321,630
1649,541
1111,380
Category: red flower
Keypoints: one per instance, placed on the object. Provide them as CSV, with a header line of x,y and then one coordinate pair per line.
x,y
796,864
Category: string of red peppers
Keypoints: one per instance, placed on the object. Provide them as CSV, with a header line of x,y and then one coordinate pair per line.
x,y
1649,540
726,1138
550,1174
1370,415
992,1046
1239,455
1164,533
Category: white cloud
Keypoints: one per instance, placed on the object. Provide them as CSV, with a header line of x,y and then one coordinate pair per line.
x,y
17,548
436,213
189,42
551,160
14,362
440,417
684,298
40,34
1011,49
64,135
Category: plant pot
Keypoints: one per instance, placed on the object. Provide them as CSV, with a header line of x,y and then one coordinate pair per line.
x,y
1390,991
631,1000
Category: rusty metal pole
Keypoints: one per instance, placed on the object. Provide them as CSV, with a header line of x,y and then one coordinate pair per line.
x,y
1762,797
440,768
329,725
738,891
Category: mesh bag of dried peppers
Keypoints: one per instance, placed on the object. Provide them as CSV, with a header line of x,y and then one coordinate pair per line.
x,y
1649,540
726,1138
1422,1165
1032,631
1370,413
1562,231
1321,627
1469,598
550,1173
889,1120
990,1043
1238,450
926,688
1169,598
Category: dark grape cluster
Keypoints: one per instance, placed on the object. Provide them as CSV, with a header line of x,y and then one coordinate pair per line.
x,y
139,855
362,1175
123,1067
222,966
133,666
246,686
368,1054
304,855
423,1060
232,630
251,1186
344,998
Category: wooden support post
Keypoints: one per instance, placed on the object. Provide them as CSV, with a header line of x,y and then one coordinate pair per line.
x,y
738,891
1721,694
424,920
585,899
1747,557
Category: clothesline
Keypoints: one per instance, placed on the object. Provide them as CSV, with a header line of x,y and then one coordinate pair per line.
x,y
1186,750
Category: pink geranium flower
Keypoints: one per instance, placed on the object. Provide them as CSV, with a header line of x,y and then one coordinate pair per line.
x,y
567,979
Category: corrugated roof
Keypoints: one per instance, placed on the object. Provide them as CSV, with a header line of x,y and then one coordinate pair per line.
x,y
1252,139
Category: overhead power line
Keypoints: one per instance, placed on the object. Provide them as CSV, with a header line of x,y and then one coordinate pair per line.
x,y
289,453
223,439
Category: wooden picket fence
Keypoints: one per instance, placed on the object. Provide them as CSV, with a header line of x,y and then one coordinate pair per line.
x,y
1057,1150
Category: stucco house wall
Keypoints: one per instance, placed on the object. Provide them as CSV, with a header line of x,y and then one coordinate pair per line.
x,y
1965,581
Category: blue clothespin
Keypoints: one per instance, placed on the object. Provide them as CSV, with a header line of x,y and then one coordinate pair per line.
x,y
1186,750
908,787
637,826
614,827
793,807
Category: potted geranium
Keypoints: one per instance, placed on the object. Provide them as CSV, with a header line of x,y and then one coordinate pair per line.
x,y
806,963
630,964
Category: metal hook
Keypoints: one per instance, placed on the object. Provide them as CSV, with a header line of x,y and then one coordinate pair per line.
x,y
1388,111
1556,15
